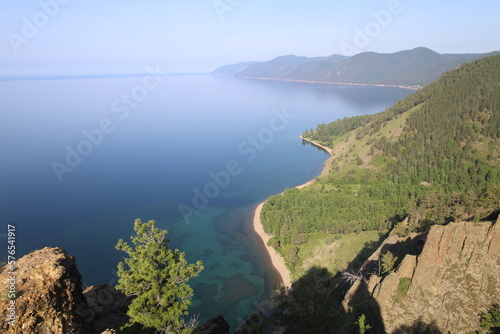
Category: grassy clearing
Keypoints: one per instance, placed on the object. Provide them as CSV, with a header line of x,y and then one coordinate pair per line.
x,y
336,252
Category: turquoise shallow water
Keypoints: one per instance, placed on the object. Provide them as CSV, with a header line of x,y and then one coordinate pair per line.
x,y
235,142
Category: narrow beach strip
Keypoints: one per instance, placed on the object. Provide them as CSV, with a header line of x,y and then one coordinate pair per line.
x,y
276,259
327,149
416,87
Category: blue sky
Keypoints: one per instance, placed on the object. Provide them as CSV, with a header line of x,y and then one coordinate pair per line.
x,y
76,36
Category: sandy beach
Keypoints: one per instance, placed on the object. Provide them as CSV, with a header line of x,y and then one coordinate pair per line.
x,y
276,259
329,150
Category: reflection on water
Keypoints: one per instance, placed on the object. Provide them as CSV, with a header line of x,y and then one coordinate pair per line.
x,y
152,162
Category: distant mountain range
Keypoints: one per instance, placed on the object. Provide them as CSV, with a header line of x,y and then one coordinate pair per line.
x,y
415,67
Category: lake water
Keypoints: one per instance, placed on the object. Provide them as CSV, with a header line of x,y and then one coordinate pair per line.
x,y
83,158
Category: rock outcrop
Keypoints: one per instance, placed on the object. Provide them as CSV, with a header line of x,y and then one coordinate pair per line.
x,y
255,323
442,289
217,325
445,288
48,295
108,307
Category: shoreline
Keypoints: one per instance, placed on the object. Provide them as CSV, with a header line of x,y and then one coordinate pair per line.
x,y
417,87
327,149
277,261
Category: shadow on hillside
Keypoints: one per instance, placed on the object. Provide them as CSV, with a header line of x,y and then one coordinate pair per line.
x,y
311,305
418,326
368,249
314,305
409,246
317,303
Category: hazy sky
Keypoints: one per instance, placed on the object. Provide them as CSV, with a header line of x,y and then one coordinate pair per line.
x,y
77,36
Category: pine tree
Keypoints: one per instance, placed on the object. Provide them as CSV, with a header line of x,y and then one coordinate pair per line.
x,y
362,324
388,262
156,277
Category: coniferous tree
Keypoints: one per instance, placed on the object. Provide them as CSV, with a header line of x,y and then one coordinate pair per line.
x,y
156,277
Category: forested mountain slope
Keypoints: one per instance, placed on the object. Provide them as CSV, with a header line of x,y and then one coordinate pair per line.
x,y
433,157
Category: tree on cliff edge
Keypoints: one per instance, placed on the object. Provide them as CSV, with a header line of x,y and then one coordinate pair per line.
x,y
156,277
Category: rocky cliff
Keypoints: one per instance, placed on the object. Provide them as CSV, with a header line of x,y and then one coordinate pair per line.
x,y
442,288
44,295
445,288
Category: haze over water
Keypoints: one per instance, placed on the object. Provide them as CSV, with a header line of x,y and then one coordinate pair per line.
x,y
181,140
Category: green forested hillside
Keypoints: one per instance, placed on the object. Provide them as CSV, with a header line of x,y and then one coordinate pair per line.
x,y
432,157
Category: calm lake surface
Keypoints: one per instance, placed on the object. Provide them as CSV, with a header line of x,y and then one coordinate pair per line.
x,y
83,158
